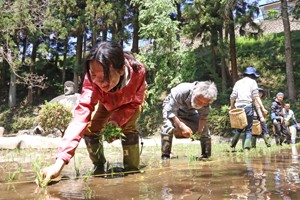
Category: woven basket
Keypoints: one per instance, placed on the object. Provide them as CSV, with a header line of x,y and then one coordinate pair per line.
x,y
256,128
238,118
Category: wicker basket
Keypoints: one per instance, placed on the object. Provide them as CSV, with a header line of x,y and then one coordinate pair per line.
x,y
256,128
238,118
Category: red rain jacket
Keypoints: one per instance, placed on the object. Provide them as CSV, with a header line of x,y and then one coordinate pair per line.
x,y
124,102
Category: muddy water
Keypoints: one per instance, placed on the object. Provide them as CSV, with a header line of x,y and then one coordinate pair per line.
x,y
236,176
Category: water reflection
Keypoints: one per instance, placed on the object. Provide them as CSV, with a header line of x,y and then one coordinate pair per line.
x,y
240,176
256,173
166,192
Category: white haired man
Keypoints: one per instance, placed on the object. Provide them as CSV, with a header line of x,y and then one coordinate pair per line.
x,y
185,112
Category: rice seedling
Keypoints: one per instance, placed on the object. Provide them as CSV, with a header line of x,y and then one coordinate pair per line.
x,y
40,181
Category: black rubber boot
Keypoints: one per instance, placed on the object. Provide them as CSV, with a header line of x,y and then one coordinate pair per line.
x,y
166,146
205,147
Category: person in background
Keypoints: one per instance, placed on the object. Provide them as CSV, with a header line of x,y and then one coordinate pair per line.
x,y
113,92
258,115
290,121
185,112
244,92
281,131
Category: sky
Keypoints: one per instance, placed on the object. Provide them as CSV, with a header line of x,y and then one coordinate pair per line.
x,y
261,2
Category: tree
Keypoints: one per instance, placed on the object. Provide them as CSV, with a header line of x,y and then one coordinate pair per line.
x,y
157,25
288,51
136,27
204,23
241,13
18,19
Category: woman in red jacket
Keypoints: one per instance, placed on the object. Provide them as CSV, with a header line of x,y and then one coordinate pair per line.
x,y
114,86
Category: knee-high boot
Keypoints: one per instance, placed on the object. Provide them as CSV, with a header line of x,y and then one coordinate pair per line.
x,y
131,152
267,140
205,147
235,138
96,153
166,146
247,144
253,141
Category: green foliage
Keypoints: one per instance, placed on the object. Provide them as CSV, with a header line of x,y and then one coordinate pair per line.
x,y
54,115
218,120
111,132
267,55
156,23
273,14
16,119
296,10
23,123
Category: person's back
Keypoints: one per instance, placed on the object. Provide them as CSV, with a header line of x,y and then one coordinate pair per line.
x,y
244,92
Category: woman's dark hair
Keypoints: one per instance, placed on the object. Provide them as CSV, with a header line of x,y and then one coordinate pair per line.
x,y
110,54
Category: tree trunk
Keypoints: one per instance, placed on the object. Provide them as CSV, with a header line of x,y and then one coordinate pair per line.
x,y
179,19
95,33
223,64
33,56
136,28
12,90
12,83
78,60
288,51
64,60
24,50
234,73
32,70
104,32
214,46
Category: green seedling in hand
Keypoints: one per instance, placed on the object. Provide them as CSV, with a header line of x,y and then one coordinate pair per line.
x,y
195,136
111,132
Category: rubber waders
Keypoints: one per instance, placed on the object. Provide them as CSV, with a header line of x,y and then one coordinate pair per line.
x,y
205,147
96,153
267,140
166,146
131,152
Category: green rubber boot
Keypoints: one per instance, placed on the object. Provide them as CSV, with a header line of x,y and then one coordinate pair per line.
x,y
235,139
243,141
247,144
253,141
131,152
96,153
267,140
131,157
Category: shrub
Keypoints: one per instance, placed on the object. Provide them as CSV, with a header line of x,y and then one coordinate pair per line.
x,y
22,123
54,115
218,120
